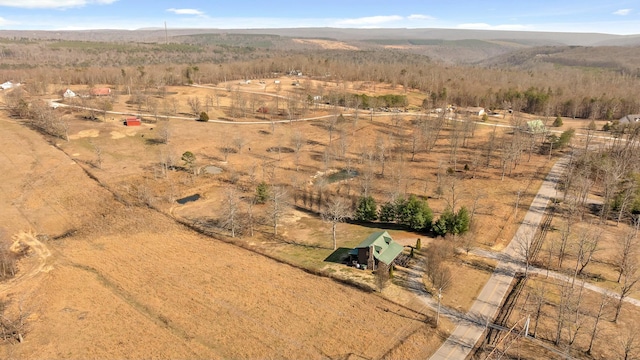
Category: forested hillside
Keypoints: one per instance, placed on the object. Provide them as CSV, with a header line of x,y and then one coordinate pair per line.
x,y
572,81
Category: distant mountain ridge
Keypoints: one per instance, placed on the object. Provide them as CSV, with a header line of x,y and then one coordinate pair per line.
x,y
492,48
340,34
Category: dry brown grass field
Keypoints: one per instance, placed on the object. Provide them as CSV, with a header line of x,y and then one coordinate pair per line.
x,y
127,276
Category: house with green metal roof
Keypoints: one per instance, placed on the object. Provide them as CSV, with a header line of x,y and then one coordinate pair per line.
x,y
377,247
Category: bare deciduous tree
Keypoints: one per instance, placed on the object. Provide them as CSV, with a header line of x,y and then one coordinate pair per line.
x,y
97,149
366,180
277,205
164,132
298,140
13,327
563,246
604,300
336,212
566,292
587,246
629,345
441,280
8,258
168,160
627,249
539,295
226,148
381,153
416,141
524,247
382,276
467,240
239,141
194,104
230,210
630,277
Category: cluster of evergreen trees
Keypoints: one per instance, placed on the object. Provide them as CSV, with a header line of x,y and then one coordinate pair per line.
x,y
366,101
413,213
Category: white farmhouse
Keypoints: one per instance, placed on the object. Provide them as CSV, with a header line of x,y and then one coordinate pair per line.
x,y
68,94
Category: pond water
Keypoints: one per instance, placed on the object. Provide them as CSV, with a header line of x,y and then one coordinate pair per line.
x,y
343,174
189,198
212,170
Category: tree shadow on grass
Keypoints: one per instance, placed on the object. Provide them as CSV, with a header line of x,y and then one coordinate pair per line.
x,y
153,141
340,256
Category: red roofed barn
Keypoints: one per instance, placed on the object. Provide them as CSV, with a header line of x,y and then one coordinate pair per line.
x,y
132,121
100,91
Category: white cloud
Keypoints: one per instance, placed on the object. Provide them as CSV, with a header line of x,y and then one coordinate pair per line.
x,y
420,17
484,26
52,4
622,12
186,11
5,22
370,20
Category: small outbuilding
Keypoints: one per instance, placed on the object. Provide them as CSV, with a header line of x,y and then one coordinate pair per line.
x,y
68,94
100,91
474,110
132,121
377,247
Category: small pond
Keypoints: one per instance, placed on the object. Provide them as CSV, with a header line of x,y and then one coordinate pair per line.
x,y
212,170
189,198
343,174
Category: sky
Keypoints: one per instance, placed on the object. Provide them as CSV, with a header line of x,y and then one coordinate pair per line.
x,y
600,16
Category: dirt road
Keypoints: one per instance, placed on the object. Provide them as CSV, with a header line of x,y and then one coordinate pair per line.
x,y
37,260
484,309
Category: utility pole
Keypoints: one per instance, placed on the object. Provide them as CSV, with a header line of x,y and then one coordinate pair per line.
x,y
166,34
439,301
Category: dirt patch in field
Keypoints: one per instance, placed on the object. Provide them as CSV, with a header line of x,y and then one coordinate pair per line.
x,y
122,134
91,133
327,44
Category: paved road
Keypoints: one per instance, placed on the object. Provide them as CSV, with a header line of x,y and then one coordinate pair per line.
x,y
484,309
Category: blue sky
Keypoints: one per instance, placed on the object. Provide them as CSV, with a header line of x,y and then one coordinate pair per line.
x,y
604,16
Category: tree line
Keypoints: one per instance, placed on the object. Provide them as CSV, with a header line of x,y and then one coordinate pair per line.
x,y
566,91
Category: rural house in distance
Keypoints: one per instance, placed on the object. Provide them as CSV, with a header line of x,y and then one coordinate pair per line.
x,y
100,91
629,119
68,94
375,248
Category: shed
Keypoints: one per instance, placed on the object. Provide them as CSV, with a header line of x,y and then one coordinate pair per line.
x,y
68,94
132,121
377,247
